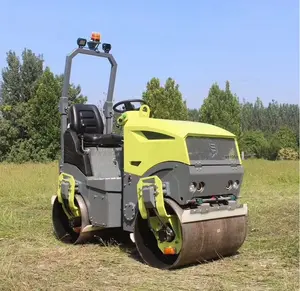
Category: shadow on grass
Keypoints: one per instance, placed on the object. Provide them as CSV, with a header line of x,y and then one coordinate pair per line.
x,y
121,239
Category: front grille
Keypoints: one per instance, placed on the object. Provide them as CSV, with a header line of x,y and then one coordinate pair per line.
x,y
208,150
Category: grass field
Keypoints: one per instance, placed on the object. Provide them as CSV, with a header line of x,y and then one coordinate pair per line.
x,y
32,259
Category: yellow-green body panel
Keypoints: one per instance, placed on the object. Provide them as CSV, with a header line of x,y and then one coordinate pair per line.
x,y
151,152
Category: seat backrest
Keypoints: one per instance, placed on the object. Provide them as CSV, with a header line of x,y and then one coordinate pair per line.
x,y
85,118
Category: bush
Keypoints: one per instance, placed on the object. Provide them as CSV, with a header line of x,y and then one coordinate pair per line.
x,y
288,154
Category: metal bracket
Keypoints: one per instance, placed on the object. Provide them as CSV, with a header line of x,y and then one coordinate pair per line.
x,y
66,191
63,105
149,196
164,226
157,184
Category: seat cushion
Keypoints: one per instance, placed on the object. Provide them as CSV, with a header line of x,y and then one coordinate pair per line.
x,y
102,139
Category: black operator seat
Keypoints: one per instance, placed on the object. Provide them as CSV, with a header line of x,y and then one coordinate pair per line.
x,y
86,121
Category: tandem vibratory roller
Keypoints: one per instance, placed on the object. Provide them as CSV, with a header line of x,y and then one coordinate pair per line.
x,y
173,186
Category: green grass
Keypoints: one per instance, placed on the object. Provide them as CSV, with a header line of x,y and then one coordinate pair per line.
x,y
32,259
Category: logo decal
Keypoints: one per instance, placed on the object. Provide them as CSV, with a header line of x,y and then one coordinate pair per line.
x,y
213,149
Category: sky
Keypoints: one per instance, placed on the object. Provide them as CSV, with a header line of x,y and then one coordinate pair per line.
x,y
252,44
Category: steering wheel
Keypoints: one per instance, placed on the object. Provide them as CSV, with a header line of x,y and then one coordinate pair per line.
x,y
127,105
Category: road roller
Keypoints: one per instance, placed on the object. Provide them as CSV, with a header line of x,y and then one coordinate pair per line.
x,y
172,186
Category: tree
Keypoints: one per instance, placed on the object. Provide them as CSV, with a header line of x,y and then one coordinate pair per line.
x,y
254,143
8,134
289,115
272,118
222,108
285,138
29,116
19,79
44,122
30,120
193,115
165,102
74,93
17,88
247,116
44,114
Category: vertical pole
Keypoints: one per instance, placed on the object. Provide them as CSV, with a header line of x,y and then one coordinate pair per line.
x,y
109,100
63,106
243,156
